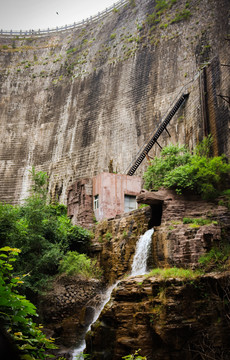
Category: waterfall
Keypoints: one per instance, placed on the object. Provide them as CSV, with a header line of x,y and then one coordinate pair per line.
x,y
77,353
139,267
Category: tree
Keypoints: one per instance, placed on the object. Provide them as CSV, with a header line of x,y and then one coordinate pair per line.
x,y
43,232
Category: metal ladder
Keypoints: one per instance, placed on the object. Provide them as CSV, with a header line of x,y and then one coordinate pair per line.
x,y
159,131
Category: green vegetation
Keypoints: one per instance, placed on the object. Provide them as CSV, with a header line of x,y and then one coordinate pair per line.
x,y
225,198
218,258
181,15
49,244
174,272
112,36
43,232
176,168
71,51
74,263
161,12
135,356
108,236
132,3
16,312
141,206
198,221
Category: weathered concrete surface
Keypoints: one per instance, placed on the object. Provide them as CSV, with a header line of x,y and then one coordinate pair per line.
x,y
111,190
80,203
71,102
167,319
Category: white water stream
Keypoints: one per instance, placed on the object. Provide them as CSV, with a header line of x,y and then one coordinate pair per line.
x,y
139,267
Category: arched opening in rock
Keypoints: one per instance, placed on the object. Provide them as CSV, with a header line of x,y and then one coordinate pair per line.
x,y
156,214
156,201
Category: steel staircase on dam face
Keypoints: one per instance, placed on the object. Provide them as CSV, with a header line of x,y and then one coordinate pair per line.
x,y
159,131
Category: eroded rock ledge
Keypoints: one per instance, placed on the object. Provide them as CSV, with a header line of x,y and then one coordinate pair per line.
x,y
68,309
166,319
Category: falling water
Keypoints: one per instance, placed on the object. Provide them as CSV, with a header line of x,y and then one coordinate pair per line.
x,y
139,266
77,353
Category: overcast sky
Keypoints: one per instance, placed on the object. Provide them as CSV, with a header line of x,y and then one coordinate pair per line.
x,y
41,14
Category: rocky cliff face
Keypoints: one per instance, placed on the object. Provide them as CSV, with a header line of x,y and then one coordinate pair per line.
x,y
178,243
68,309
166,319
115,241
173,242
71,102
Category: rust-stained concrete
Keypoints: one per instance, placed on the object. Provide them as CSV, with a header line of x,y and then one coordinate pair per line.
x,y
111,190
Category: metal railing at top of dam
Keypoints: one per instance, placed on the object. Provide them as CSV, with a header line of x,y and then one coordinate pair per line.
x,y
75,25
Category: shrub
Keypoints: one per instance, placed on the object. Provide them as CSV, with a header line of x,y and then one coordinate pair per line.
x,y
181,15
132,3
74,263
171,157
177,169
43,232
16,312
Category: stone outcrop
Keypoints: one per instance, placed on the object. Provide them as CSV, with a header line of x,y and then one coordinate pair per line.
x,y
115,241
150,198
173,242
167,319
160,317
180,244
68,309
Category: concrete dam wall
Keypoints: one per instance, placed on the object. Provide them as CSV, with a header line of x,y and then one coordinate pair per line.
x,y
73,101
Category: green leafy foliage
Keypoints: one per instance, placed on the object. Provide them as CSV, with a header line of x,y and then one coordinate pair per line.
x,y
198,173
216,259
74,263
135,356
43,232
16,312
40,182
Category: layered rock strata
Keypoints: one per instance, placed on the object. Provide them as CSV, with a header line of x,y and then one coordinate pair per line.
x,y
173,242
167,319
178,243
115,241
68,309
